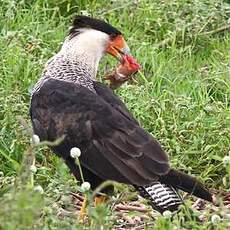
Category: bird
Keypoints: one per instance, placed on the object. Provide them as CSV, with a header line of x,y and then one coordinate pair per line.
x,y
68,101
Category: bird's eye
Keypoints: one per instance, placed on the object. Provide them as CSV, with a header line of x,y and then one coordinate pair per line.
x,y
113,36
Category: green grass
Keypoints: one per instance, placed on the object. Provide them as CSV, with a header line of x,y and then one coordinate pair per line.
x,y
183,101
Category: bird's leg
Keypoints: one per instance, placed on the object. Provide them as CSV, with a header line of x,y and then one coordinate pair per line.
x,y
83,208
100,199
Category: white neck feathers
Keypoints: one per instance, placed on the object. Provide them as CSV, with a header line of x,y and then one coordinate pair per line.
x,y
89,45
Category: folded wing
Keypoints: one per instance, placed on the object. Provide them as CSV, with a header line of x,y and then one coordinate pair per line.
x,y
113,144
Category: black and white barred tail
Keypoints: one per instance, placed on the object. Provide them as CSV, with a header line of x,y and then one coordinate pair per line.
x,y
163,193
162,197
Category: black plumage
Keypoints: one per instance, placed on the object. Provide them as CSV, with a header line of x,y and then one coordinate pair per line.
x,y
67,101
113,144
82,21
101,127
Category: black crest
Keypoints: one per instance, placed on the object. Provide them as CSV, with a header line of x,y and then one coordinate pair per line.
x,y
96,24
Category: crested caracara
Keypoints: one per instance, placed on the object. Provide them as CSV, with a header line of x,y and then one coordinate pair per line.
x,y
68,101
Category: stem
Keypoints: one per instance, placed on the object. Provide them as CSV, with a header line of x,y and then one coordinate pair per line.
x,y
143,76
80,169
102,186
169,40
131,208
32,174
218,30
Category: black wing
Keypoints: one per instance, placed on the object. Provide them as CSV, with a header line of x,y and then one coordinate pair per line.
x,y
107,95
113,144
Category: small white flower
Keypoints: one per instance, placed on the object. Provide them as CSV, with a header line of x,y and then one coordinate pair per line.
x,y
33,168
167,214
75,152
215,219
226,160
85,13
35,139
85,186
224,180
39,189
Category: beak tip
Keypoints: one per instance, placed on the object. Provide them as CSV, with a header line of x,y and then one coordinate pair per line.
x,y
125,50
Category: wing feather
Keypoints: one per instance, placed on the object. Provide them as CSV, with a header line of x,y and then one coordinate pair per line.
x,y
113,144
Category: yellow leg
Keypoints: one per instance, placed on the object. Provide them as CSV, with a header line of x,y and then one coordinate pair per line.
x,y
83,209
100,200
97,201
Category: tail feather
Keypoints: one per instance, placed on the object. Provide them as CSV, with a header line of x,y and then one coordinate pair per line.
x,y
162,197
186,183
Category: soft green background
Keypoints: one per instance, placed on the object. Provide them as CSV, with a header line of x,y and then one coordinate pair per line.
x,y
182,100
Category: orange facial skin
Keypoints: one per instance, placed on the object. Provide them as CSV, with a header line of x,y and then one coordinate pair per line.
x,y
117,46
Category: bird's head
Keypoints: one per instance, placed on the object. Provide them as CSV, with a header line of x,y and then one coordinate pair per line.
x,y
96,37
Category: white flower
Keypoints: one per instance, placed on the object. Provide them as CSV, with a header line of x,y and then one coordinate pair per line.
x,y
85,13
39,189
35,139
167,214
215,219
226,160
224,180
85,186
33,168
75,152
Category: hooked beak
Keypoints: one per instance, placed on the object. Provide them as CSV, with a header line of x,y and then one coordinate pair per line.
x,y
118,48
